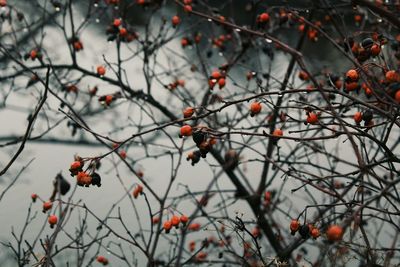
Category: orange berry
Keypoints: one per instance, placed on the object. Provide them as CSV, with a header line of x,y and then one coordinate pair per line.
x,y
138,190
47,206
194,226
312,118
357,117
221,83
117,22
358,18
83,179
352,75
351,86
216,75
264,17
392,76
303,76
315,233
186,130
175,20
201,256
397,96
167,226
294,226
33,54
175,220
76,165
52,220
123,32
188,112
334,233
255,108
101,70
108,99
140,2
277,132
184,219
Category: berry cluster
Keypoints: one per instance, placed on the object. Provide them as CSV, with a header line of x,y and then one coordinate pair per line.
x,y
175,221
84,178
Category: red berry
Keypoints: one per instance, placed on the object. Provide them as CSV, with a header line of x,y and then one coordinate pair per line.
x,y
277,132
392,76
78,45
264,17
52,220
184,219
175,221
352,75
255,108
167,226
187,8
184,42
312,118
375,50
175,20
83,179
186,130
315,232
294,226
397,96
216,75
334,233
3,3
123,32
108,99
117,22
303,76
101,70
221,83
138,190
34,197
33,54
194,226
155,220
357,117
102,259
188,112
47,206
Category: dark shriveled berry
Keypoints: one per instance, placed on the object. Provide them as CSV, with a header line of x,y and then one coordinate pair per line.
x,y
96,179
198,137
304,231
367,116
